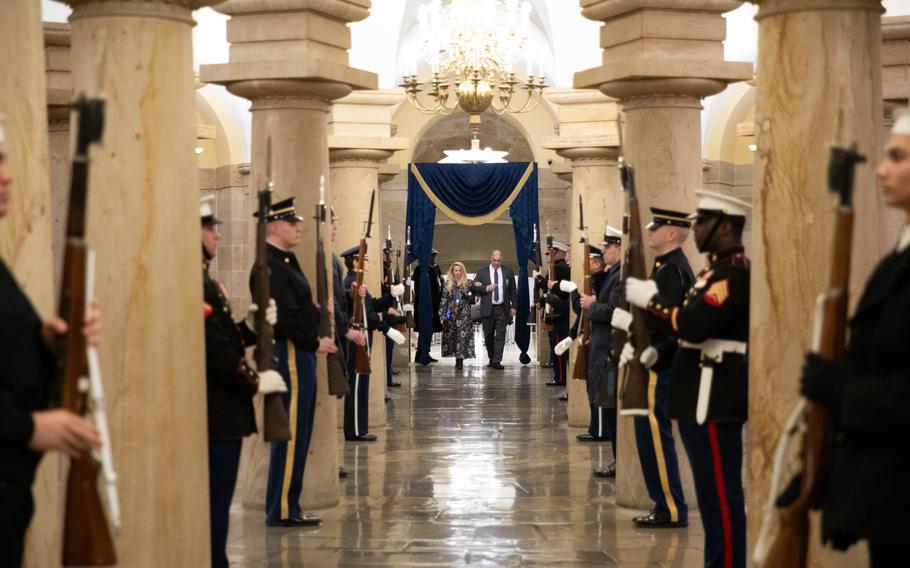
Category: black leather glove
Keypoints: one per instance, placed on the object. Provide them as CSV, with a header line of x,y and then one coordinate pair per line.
x,y
823,380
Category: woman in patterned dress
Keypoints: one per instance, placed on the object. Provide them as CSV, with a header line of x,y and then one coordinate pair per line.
x,y
455,314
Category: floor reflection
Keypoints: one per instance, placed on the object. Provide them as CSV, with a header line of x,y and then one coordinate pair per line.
x,y
476,468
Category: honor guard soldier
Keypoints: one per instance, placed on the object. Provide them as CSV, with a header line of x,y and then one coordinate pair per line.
x,y
599,309
296,344
392,317
27,427
436,285
230,385
557,288
866,395
357,401
667,232
709,388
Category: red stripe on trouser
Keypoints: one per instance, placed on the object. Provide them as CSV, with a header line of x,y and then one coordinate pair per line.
x,y
562,378
722,497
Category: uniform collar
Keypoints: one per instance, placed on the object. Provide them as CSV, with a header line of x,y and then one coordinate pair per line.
x,y
904,242
280,255
726,253
662,259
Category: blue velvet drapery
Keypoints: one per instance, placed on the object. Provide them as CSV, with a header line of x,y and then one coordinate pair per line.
x,y
472,194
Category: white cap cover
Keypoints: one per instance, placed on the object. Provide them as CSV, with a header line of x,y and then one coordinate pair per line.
x,y
726,204
901,122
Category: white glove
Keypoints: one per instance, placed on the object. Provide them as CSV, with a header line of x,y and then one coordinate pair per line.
x,y
649,357
395,336
563,346
271,382
409,283
407,308
627,354
567,286
535,274
640,292
271,314
397,290
622,320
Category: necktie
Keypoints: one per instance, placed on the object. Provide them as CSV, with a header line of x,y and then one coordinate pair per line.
x,y
496,281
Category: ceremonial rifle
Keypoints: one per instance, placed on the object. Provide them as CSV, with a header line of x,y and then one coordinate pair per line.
x,y
633,392
338,380
358,320
408,291
275,424
535,257
551,275
784,538
394,278
86,533
580,370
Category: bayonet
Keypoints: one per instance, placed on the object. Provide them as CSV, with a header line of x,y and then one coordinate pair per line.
x,y
369,229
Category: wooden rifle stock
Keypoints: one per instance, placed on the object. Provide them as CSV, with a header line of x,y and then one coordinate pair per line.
x,y
338,380
580,370
86,535
791,544
276,426
633,392
362,357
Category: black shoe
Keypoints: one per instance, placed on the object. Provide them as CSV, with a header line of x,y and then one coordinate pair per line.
x,y
547,365
393,384
432,360
361,438
563,397
586,437
342,472
652,521
555,384
304,520
497,366
396,372
609,471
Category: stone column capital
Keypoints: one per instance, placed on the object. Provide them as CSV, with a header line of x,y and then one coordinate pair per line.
x,y
767,8
179,10
600,10
358,157
640,96
345,10
590,156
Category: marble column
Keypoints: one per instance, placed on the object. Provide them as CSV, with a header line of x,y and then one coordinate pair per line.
x,y
360,142
25,232
819,84
290,60
143,223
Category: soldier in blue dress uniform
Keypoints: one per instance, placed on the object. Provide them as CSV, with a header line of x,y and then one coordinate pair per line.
x,y
357,401
230,385
599,308
558,299
667,232
296,344
709,385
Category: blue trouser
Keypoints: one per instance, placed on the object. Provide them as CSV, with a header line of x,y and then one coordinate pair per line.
x,y
224,461
715,452
389,350
298,368
560,362
657,452
357,406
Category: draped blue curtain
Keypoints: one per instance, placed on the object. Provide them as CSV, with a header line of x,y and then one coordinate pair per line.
x,y
472,194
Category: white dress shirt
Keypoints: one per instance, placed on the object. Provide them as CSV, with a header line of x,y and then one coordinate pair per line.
x,y
493,279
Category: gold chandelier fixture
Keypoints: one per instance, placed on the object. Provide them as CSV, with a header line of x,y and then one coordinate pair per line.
x,y
470,46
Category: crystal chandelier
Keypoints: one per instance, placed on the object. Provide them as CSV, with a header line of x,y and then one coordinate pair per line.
x,y
470,46
475,155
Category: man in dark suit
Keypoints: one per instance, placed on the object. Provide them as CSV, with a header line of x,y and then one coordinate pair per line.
x,y
495,284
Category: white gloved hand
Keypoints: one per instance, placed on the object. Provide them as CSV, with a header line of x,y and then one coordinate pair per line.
x,y
567,286
649,357
409,283
395,336
622,320
407,308
271,382
535,274
627,354
397,290
271,314
563,346
640,292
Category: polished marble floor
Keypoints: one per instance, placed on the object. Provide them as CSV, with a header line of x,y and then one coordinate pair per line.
x,y
476,468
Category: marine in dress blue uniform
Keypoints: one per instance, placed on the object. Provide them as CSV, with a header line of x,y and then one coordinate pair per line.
x,y
654,432
558,301
709,387
296,344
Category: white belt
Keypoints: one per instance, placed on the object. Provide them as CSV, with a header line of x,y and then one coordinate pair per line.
x,y
712,352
